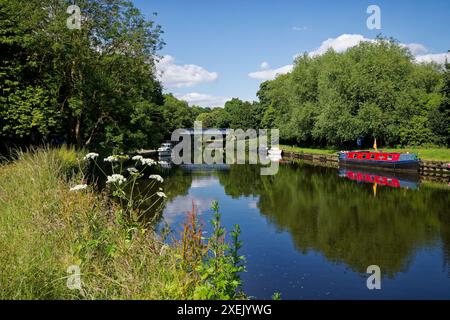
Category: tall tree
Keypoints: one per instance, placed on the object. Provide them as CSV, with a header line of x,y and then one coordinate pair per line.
x,y
90,86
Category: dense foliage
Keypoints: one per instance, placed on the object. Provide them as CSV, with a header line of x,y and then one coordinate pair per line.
x,y
236,114
373,90
97,87
93,86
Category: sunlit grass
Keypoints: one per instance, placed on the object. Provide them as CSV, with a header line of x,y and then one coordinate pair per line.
x,y
45,228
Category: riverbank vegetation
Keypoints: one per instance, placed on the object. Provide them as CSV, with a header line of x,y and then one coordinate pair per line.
x,y
96,87
60,85
49,222
373,90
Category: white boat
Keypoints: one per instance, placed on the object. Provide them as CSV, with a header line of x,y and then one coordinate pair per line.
x,y
274,151
275,157
165,150
165,164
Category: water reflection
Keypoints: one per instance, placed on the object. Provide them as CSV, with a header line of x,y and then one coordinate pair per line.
x,y
324,213
381,178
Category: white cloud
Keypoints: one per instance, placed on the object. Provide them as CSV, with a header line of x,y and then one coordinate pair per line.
x,y
270,74
203,100
180,205
415,48
253,204
433,57
344,42
302,28
339,44
173,75
265,65
203,182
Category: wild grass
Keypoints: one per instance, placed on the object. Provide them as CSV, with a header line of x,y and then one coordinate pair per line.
x,y
45,229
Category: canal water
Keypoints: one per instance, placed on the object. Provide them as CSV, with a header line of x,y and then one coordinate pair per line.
x,y
310,232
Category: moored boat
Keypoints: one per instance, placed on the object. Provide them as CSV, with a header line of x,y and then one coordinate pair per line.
x,y
274,151
165,150
380,160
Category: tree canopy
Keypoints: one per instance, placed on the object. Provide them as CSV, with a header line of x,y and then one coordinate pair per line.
x,y
373,90
93,86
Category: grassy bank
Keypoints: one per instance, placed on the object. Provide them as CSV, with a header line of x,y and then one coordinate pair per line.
x,y
45,229
437,154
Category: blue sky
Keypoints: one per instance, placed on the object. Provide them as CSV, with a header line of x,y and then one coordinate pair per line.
x,y
216,49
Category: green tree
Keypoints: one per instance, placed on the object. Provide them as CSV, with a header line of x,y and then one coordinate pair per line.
x,y
373,90
77,78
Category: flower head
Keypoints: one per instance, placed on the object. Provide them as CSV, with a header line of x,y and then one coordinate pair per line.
x,y
116,178
111,159
161,194
79,187
132,170
157,177
137,158
148,162
115,158
90,155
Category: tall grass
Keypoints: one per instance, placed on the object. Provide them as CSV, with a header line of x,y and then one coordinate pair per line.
x,y
45,228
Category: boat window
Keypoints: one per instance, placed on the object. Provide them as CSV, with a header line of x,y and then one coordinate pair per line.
x,y
389,157
364,156
372,156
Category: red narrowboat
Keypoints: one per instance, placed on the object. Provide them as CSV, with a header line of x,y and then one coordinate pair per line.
x,y
380,160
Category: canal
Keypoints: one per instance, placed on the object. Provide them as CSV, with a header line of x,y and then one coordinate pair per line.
x,y
310,232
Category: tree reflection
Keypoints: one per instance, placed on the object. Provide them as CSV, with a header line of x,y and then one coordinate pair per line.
x,y
342,219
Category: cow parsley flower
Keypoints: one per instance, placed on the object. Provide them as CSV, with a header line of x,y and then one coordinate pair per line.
x,y
116,178
161,194
137,158
148,162
79,187
157,177
90,155
132,170
111,159
116,158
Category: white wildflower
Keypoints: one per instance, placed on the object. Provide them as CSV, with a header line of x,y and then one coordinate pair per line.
x,y
157,177
79,187
111,159
148,162
116,178
132,170
137,158
90,155
161,194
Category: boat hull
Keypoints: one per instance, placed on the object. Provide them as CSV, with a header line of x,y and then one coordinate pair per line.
x,y
409,166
